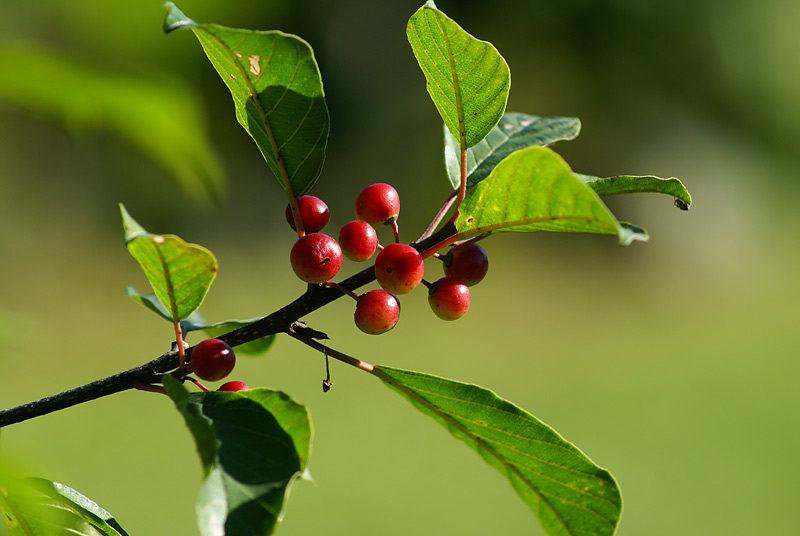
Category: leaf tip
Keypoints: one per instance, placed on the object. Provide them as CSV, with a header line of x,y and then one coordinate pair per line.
x,y
175,19
681,204
430,4
630,233
132,228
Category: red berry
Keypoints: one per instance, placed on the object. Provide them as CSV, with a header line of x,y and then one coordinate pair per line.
x,y
234,386
468,263
377,311
449,298
316,258
212,359
358,240
399,268
378,204
314,213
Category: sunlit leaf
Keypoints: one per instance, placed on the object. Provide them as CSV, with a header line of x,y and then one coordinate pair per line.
x,y
515,131
534,190
567,492
467,79
629,184
159,115
179,273
277,89
253,445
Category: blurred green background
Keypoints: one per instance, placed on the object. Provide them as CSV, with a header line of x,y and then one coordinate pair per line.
x,y
672,363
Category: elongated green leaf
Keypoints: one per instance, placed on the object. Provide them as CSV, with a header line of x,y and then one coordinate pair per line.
x,y
38,507
629,184
196,322
534,190
179,273
276,86
253,445
158,115
467,79
515,131
567,492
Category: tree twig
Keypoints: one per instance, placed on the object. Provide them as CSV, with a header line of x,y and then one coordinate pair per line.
x,y
315,297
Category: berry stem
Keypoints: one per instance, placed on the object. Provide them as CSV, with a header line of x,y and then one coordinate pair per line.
x,y
437,219
343,289
396,230
352,361
197,383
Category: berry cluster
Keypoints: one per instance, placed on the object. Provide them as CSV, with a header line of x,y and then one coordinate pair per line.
x,y
399,268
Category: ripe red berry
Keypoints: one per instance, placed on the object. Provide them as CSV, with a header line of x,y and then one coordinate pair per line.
x,y
316,258
314,214
377,311
212,360
468,263
358,240
399,268
449,298
234,386
378,204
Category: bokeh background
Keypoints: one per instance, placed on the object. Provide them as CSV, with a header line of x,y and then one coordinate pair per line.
x,y
672,363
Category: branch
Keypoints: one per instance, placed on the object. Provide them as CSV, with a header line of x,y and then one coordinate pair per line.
x,y
314,298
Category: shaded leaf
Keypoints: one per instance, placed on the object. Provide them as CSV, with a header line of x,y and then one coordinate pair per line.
x,y
629,184
467,79
515,131
534,190
253,445
564,489
160,116
179,273
277,89
196,322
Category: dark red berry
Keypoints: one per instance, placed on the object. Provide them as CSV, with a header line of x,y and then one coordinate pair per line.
x,y
377,311
212,360
468,263
378,204
358,240
234,386
399,268
314,213
449,298
316,258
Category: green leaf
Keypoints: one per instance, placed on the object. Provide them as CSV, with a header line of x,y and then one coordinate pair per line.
x,y
253,445
179,273
534,190
196,322
277,89
515,131
38,507
159,115
467,79
564,489
629,184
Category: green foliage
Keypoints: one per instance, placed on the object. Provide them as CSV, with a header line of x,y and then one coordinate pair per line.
x,y
253,445
160,116
535,190
467,79
513,132
276,86
628,184
196,322
38,507
564,489
179,273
